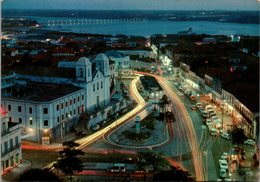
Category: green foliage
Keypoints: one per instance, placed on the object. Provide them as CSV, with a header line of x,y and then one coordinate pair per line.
x,y
157,160
149,124
38,175
68,161
238,136
134,136
172,174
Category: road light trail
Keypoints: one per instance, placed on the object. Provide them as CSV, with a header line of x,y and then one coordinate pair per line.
x,y
140,105
183,115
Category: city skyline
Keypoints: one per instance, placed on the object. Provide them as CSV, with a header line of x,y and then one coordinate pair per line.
x,y
134,4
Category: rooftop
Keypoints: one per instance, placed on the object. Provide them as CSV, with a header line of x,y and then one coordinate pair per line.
x,y
42,92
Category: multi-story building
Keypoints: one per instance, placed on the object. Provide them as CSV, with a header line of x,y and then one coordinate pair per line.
x,y
11,154
49,106
43,109
122,62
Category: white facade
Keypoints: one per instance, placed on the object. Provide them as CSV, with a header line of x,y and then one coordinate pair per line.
x,y
40,118
11,154
140,53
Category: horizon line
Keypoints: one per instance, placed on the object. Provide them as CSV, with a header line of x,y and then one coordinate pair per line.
x,y
131,9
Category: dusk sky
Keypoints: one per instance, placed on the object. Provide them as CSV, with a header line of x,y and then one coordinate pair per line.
x,y
133,4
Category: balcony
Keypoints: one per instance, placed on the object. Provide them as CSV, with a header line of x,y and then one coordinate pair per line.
x,y
11,149
12,127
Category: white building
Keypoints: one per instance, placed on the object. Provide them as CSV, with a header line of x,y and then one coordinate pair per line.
x,y
122,62
11,154
49,107
44,109
140,53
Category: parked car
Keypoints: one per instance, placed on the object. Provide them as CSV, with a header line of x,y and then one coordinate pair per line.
x,y
208,122
96,127
205,114
249,142
81,134
213,131
208,107
212,115
225,135
193,107
223,173
223,164
198,105
224,156
117,168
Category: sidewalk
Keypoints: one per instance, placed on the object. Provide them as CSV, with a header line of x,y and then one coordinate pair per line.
x,y
14,175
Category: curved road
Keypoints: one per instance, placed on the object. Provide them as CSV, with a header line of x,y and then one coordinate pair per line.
x,y
182,115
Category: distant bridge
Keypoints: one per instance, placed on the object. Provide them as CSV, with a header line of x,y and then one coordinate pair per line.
x,y
93,21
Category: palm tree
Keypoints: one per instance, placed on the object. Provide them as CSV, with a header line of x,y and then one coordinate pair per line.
x,y
238,136
68,161
163,103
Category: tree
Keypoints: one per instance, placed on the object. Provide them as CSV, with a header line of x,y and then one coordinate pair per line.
x,y
238,136
38,175
172,175
68,161
163,103
157,160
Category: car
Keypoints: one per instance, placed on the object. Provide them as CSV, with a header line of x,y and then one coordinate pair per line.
x,y
213,115
223,164
223,173
249,142
193,98
96,127
208,107
213,131
180,94
118,168
198,105
81,134
205,114
224,156
208,122
193,107
225,135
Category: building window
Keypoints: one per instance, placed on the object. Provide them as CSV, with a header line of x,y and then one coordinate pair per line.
x,y
70,113
70,101
78,99
89,72
45,123
62,117
97,86
16,141
45,110
61,105
30,110
10,119
31,121
20,120
19,108
101,84
82,97
6,147
74,111
74,100
58,119
66,104
11,142
93,87
58,107
66,115
9,108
